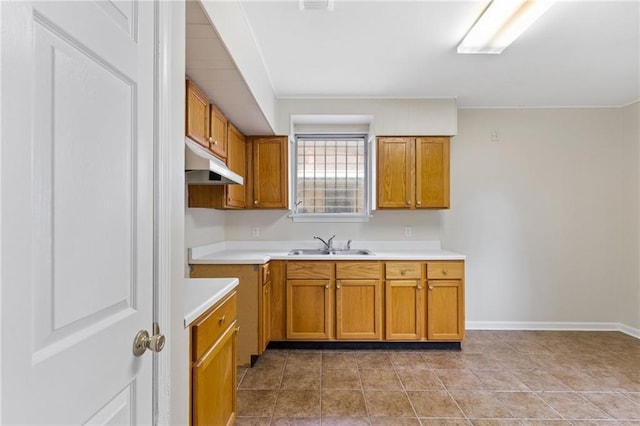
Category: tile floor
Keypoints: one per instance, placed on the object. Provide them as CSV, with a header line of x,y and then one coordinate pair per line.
x,y
499,378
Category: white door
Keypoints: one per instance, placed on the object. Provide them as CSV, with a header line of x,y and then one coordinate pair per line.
x,y
76,211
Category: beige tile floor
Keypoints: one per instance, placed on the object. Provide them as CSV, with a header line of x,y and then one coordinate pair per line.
x,y
499,378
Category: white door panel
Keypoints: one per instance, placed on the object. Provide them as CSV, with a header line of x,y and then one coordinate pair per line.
x,y
77,222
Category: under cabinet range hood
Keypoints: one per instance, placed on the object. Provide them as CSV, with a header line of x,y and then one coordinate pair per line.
x,y
202,168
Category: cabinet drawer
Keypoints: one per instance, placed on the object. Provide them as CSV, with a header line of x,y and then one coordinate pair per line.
x,y
312,270
210,326
445,270
345,270
266,273
402,270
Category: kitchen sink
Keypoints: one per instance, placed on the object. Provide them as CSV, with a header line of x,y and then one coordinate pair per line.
x,y
334,252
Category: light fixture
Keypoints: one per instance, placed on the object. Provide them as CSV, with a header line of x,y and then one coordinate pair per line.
x,y
316,5
501,23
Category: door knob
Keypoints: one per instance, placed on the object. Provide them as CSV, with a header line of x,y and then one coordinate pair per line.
x,y
143,341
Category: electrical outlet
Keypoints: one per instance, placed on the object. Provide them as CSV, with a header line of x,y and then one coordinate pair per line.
x,y
407,231
255,231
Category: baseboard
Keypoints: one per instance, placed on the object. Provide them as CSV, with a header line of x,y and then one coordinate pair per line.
x,y
567,326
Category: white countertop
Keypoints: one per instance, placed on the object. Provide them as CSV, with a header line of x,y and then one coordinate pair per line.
x,y
260,252
202,293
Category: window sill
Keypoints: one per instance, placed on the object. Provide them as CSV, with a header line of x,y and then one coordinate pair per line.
x,y
328,218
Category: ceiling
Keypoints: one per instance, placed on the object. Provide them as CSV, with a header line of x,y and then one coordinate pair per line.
x,y
579,53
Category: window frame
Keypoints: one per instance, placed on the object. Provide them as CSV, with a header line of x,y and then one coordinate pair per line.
x,y
368,179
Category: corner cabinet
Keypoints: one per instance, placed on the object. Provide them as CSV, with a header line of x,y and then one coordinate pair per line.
x,y
214,365
413,172
267,183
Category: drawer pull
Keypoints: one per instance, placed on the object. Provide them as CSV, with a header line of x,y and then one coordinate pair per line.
x,y
403,272
444,272
222,319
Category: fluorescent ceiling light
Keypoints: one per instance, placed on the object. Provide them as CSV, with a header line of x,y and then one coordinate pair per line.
x,y
316,5
501,23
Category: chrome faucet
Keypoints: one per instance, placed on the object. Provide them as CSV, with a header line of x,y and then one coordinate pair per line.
x,y
327,244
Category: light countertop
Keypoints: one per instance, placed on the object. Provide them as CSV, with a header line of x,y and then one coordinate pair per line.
x,y
202,293
260,252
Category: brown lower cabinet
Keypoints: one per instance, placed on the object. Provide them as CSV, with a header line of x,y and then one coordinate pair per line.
x,y
421,301
214,365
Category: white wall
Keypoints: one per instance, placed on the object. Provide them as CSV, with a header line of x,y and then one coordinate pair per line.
x,y
544,214
395,117
385,225
204,226
630,289
547,216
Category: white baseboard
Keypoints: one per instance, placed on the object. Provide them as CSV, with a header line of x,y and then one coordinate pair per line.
x,y
566,326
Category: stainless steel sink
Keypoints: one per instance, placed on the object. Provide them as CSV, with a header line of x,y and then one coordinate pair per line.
x,y
334,252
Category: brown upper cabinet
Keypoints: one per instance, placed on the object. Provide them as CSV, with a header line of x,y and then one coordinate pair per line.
x,y
218,132
197,119
237,162
413,172
205,124
267,178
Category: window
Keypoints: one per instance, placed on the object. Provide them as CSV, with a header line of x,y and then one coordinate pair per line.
x,y
331,176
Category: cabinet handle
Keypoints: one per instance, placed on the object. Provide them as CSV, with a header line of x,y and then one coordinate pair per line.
x,y
210,139
266,290
445,272
338,285
326,286
215,142
408,202
221,319
419,287
418,203
255,202
430,287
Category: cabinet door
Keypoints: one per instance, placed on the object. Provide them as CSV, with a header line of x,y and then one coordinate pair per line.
x,y
395,172
266,314
405,303
236,161
358,309
309,309
445,310
214,383
197,109
270,171
432,172
218,133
